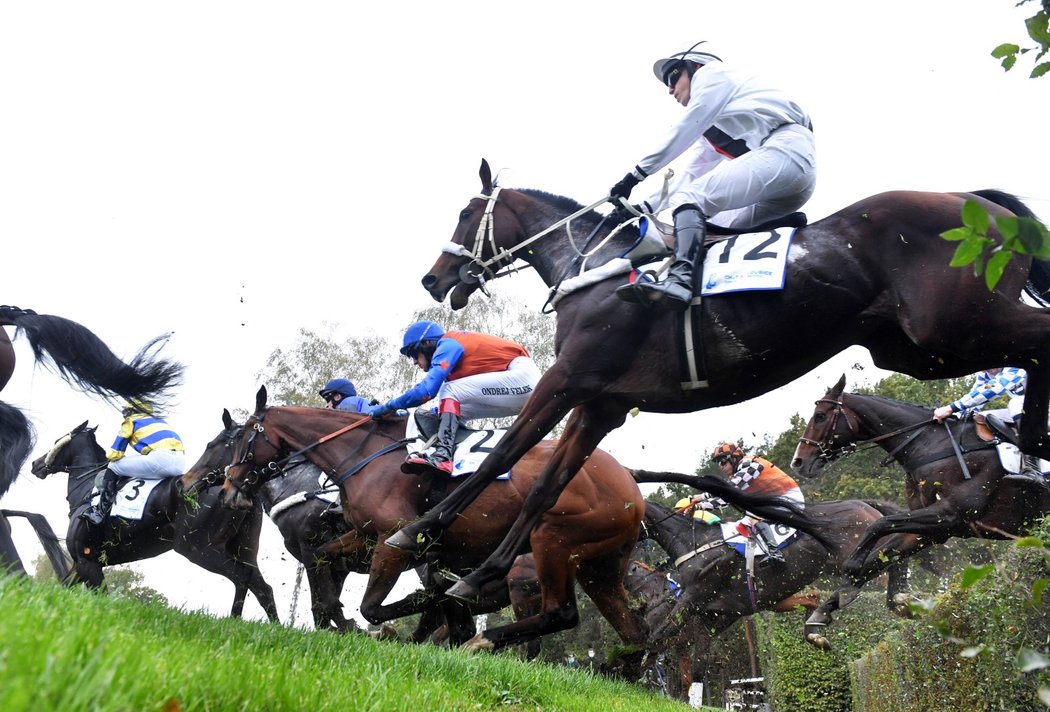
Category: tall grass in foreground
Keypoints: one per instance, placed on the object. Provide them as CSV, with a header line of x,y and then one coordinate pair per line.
x,y
72,649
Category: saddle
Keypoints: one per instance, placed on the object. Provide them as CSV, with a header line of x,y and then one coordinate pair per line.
x,y
718,233
990,425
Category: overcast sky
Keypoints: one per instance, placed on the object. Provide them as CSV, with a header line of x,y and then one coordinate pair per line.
x,y
234,171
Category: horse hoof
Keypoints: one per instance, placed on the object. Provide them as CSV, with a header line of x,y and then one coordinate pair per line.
x,y
405,542
818,641
386,632
463,591
478,642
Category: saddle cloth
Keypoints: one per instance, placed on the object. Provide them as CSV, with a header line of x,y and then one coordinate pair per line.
x,y
736,536
131,498
472,446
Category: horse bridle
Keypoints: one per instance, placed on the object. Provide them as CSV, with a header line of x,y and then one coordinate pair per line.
x,y
829,453
479,270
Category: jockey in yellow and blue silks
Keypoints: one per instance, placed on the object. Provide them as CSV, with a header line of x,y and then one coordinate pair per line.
x,y
473,376
161,449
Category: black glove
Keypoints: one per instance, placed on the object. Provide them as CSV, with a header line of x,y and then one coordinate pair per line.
x,y
623,188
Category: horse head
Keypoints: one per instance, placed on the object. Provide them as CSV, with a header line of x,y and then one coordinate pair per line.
x,y
829,434
211,467
487,228
62,454
254,460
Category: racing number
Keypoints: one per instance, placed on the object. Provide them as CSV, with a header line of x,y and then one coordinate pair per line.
x,y
755,253
486,436
136,487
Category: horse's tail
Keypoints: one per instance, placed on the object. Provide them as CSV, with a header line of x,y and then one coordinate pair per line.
x,y
60,561
1038,285
774,509
16,443
84,361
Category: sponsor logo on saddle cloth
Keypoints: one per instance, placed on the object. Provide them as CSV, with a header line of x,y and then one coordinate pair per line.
x,y
736,535
745,263
131,498
470,451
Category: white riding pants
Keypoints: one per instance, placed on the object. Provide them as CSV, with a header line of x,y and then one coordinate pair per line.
x,y
154,465
768,182
493,395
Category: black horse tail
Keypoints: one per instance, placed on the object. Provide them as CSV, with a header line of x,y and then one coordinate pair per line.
x,y
774,509
1038,286
17,438
52,546
85,362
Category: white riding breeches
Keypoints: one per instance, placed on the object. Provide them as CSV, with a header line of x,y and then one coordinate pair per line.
x,y
768,182
493,395
155,465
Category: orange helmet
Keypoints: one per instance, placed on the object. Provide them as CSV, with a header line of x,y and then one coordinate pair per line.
x,y
727,451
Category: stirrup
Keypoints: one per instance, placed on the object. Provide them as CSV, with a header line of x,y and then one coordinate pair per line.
x,y
636,292
422,464
93,516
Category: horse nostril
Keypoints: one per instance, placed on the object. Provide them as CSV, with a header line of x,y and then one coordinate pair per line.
x,y
429,281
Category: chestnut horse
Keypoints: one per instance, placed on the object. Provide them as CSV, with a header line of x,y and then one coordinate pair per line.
x,y
83,361
875,273
587,537
945,499
198,527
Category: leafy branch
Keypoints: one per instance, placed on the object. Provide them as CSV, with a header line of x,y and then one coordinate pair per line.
x,y
1038,26
1019,235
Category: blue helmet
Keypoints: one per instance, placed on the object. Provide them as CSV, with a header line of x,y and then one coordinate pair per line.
x,y
419,332
338,385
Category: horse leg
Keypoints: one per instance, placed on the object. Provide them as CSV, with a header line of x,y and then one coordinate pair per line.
x,y
932,523
556,570
241,574
587,426
551,400
387,565
1033,435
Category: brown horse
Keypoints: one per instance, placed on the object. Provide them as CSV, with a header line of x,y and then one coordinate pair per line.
x,y
587,537
875,274
83,361
213,537
946,499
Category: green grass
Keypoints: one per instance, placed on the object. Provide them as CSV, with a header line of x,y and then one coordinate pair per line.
x,y
63,649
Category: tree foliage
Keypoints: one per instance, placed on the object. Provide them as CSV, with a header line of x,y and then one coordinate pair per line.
x,y
120,581
1038,28
294,375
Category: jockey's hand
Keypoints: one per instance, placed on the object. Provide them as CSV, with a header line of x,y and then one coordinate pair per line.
x,y
941,413
380,410
623,188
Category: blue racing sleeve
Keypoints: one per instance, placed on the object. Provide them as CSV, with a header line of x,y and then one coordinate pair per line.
x,y
446,356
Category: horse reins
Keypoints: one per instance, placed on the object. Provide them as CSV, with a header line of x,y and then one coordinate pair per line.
x,y
829,454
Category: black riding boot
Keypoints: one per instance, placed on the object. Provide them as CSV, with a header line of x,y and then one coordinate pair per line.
x,y
765,533
676,291
440,459
96,515
1030,471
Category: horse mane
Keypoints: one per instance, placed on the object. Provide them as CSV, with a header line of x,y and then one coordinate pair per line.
x,y
569,206
892,401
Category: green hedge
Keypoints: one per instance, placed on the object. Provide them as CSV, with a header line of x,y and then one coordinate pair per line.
x,y
933,663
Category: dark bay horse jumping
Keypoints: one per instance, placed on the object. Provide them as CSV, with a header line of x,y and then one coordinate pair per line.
x,y
716,589
86,363
588,537
215,538
875,274
945,500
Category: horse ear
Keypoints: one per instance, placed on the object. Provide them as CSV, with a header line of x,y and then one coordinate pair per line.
x,y
227,419
81,427
838,387
486,177
260,399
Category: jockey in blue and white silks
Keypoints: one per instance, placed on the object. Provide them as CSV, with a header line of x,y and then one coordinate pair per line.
x,y
989,385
